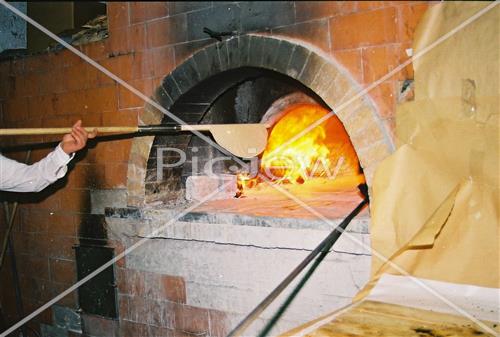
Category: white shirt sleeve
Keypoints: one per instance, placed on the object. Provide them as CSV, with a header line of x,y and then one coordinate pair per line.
x,y
18,177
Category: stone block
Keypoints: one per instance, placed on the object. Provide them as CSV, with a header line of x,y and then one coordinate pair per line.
x,y
201,60
232,46
283,55
255,55
171,88
199,187
270,52
151,114
297,61
186,76
359,120
374,153
369,135
311,69
223,55
214,66
185,50
325,80
243,50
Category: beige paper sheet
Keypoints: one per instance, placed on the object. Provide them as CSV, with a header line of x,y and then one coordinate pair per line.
x,y
436,202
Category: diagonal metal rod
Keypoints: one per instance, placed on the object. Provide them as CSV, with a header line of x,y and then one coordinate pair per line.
x,y
324,246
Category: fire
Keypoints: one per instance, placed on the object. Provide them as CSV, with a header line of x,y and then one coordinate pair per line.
x,y
324,151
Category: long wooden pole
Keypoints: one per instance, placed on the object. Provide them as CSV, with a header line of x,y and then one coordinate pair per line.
x,y
60,131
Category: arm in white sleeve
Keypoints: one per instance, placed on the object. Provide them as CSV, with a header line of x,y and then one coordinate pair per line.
x,y
18,177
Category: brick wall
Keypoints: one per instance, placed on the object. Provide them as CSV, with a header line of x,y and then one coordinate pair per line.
x,y
146,41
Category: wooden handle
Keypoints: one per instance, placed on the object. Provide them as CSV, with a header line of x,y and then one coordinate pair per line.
x,y
60,131
200,127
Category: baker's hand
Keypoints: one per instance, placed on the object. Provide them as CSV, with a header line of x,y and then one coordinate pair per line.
x,y
77,139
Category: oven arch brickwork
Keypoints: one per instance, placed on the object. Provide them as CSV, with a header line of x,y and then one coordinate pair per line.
x,y
304,63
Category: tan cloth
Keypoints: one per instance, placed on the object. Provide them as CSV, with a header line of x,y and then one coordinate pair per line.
x,y
435,205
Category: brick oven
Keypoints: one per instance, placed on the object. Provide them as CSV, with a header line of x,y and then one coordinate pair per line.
x,y
225,249
201,274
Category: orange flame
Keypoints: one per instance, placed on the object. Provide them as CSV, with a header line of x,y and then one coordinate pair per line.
x,y
324,151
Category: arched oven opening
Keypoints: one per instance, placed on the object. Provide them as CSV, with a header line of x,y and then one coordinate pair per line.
x,y
320,167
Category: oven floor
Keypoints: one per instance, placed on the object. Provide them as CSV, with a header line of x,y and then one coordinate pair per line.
x,y
265,200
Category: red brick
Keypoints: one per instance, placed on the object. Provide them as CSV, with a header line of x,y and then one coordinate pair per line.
x,y
368,5
97,50
163,61
61,224
133,283
100,99
75,77
123,307
37,63
352,61
218,323
139,309
364,29
137,37
116,175
34,221
120,66
92,76
144,11
119,248
54,82
115,152
131,329
152,285
119,40
75,200
128,99
118,15
155,331
61,247
410,16
69,300
62,271
384,96
73,102
315,32
167,31
66,58
311,10
127,117
142,65
15,109
28,264
17,66
347,7
191,319
173,288
379,61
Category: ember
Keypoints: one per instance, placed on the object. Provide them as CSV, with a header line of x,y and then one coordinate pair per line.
x,y
325,151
